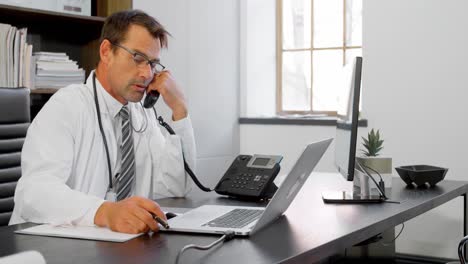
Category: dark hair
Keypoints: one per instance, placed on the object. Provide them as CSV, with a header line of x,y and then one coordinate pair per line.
x,y
116,26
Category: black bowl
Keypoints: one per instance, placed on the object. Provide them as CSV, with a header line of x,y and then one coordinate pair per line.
x,y
421,174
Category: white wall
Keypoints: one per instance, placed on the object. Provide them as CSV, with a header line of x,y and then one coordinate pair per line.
x,y
258,58
414,89
203,55
416,76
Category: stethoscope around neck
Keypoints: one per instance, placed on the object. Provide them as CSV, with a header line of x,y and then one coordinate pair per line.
x,y
160,121
106,147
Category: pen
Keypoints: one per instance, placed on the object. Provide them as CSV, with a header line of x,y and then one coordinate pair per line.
x,y
161,221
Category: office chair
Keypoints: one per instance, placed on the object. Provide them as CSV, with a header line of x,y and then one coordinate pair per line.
x,y
14,122
461,251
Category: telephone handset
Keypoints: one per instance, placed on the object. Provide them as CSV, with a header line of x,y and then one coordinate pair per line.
x,y
250,177
150,99
247,178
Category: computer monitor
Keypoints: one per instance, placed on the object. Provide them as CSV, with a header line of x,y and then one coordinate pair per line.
x,y
348,119
347,134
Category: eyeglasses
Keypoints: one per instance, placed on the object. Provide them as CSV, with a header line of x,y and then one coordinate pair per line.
x,y
141,60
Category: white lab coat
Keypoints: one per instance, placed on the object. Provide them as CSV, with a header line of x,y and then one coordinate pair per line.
x,y
64,167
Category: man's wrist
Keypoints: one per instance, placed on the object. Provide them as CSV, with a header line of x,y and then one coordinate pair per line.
x,y
179,113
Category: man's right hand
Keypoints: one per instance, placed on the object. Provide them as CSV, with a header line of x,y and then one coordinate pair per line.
x,y
132,215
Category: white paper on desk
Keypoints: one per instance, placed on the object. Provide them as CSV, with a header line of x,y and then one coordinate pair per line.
x,y
80,232
30,257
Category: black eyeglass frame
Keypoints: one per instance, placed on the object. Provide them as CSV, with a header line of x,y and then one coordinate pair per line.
x,y
152,63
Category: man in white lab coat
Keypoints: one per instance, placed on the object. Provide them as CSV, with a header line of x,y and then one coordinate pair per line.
x,y
66,177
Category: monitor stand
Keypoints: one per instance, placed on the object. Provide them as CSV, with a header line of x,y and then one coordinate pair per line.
x,y
361,192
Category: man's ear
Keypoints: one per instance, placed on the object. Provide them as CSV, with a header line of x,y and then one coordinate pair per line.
x,y
105,51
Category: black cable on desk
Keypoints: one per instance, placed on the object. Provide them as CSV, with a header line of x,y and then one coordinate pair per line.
x,y
226,237
363,167
380,187
382,191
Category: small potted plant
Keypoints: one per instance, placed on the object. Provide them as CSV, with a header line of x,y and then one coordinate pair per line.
x,y
372,161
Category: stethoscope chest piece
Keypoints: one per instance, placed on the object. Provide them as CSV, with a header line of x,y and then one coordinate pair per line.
x,y
111,196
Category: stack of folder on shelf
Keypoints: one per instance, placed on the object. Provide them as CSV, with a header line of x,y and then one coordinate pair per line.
x,y
56,70
15,57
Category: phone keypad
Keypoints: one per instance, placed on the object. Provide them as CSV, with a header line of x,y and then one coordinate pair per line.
x,y
249,181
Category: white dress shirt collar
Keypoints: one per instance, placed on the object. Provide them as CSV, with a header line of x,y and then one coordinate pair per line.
x,y
111,105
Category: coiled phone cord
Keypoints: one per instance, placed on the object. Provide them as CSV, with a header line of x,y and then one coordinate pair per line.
x,y
186,166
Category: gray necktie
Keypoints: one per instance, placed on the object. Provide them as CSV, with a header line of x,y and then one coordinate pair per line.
x,y
126,179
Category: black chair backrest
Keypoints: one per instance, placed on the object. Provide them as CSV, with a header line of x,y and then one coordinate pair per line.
x,y
14,122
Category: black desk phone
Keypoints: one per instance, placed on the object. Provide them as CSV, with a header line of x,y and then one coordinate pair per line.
x,y
250,177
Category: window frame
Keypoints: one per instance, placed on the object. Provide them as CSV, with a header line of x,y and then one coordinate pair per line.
x,y
279,60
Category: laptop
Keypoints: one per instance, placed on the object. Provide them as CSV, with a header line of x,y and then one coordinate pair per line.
x,y
246,220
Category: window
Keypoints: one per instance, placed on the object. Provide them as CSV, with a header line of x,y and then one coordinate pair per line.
x,y
315,38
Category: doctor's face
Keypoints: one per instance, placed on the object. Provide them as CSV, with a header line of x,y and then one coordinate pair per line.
x,y
129,68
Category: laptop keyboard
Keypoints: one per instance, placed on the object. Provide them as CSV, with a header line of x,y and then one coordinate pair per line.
x,y
236,218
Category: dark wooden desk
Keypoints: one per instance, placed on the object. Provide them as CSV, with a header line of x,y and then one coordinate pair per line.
x,y
309,231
